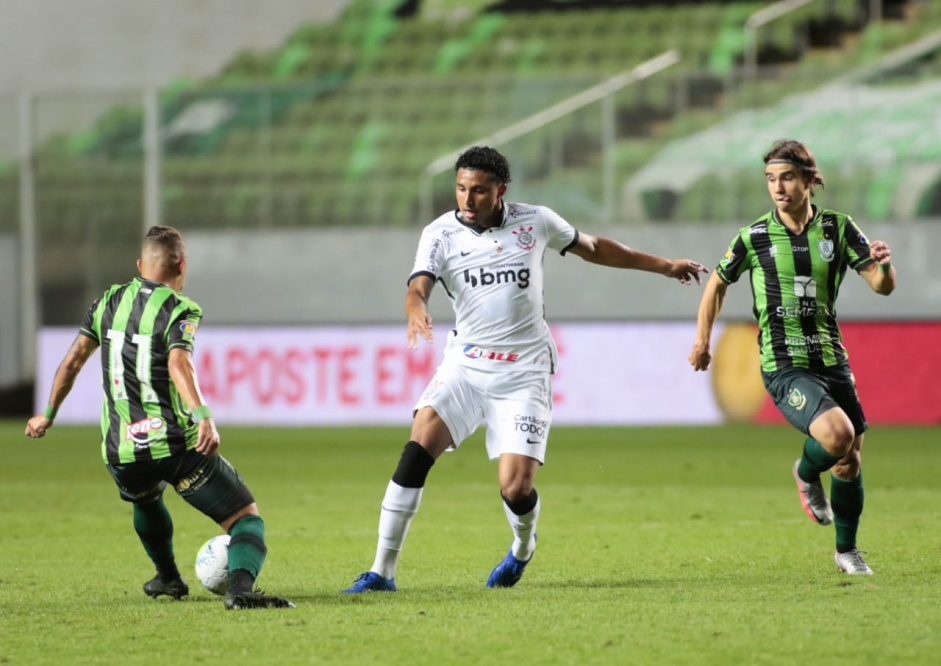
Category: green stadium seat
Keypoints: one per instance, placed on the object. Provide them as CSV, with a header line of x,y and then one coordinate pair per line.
x,y
361,97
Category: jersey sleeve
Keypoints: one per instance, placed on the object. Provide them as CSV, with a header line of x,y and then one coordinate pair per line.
x,y
560,235
88,328
858,253
734,264
182,331
429,258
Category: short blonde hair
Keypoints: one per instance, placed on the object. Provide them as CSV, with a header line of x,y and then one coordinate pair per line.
x,y
164,245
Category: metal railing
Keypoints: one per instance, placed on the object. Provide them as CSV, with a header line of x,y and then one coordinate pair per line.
x,y
765,16
602,92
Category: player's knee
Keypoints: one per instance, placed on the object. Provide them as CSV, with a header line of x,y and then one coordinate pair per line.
x,y
517,489
521,505
848,467
840,441
414,465
835,432
234,517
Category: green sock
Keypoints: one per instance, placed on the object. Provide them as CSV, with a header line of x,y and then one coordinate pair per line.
x,y
154,526
247,548
815,461
846,499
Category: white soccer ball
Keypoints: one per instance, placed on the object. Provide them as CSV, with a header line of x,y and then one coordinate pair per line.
x,y
212,564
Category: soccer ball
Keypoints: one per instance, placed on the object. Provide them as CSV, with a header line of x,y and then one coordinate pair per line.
x,y
212,564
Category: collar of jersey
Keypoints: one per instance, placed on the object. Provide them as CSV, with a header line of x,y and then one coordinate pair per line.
x,y
476,228
813,218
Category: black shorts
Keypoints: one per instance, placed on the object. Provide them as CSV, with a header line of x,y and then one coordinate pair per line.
x,y
211,485
801,395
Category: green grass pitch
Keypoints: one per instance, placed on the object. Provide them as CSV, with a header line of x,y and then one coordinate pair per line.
x,y
656,546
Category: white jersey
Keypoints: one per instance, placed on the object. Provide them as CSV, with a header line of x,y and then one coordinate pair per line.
x,y
494,278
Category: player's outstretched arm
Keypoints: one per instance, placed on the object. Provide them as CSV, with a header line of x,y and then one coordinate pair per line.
x,y
713,295
609,252
183,374
416,310
79,352
880,275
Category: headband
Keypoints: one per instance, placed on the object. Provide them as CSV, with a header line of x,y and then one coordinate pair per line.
x,y
791,162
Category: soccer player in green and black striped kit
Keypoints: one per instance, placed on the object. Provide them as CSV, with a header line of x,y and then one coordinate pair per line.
x,y
798,255
156,428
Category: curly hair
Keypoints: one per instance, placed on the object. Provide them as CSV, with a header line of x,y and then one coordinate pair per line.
x,y
484,158
798,155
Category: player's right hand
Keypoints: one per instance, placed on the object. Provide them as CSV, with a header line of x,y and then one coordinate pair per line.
x,y
419,325
37,426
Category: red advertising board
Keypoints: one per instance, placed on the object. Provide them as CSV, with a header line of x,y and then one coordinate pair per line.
x,y
898,372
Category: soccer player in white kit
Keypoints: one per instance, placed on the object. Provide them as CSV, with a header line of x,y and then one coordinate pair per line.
x,y
488,256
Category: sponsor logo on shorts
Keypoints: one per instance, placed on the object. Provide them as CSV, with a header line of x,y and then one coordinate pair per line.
x,y
140,430
194,481
149,492
473,351
796,399
533,427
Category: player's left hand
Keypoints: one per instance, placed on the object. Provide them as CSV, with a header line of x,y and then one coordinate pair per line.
x,y
686,270
37,426
880,251
207,438
700,356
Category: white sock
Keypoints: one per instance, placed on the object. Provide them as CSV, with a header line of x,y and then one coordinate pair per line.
x,y
399,506
524,531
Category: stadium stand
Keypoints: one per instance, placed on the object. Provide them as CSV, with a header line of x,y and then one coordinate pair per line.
x,y
335,127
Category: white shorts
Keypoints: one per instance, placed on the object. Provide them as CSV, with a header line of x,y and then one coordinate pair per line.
x,y
516,406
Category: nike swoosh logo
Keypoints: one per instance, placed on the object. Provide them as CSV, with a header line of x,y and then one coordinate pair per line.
x,y
464,254
529,441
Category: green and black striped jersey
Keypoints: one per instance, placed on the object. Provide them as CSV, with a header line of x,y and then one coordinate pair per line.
x,y
795,279
137,324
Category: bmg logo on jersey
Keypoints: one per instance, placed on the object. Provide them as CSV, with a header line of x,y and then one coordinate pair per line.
x,y
485,278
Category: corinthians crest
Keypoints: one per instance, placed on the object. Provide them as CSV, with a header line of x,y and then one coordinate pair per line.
x,y
826,249
525,238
